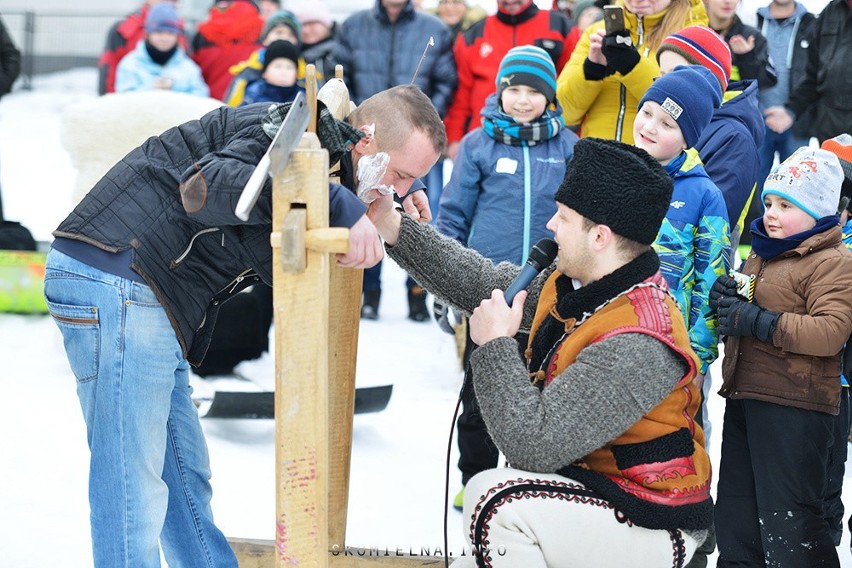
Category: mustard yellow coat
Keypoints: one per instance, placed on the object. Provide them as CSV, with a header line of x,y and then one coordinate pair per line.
x,y
607,108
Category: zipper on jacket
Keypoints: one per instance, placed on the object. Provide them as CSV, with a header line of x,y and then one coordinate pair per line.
x,y
186,251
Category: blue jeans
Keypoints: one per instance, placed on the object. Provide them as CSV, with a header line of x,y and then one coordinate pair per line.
x,y
785,144
149,470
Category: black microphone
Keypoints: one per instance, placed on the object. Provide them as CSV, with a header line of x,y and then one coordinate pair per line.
x,y
541,256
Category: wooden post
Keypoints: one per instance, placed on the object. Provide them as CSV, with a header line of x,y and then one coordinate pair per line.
x,y
301,378
316,340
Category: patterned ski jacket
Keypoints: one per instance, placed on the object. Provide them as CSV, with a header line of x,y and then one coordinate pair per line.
x,y
694,245
500,197
606,108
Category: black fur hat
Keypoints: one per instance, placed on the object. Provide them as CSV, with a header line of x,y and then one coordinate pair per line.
x,y
618,185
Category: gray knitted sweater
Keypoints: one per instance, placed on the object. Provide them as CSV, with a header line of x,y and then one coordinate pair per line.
x,y
596,399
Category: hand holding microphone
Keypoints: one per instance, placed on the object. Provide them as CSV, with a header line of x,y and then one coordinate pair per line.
x,y
500,315
541,256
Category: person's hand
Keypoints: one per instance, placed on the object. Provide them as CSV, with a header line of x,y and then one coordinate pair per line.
x,y
595,43
620,53
738,317
452,150
494,318
416,204
365,246
740,45
723,286
386,219
777,119
162,83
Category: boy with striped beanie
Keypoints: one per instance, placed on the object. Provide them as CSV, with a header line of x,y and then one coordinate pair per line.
x,y
699,45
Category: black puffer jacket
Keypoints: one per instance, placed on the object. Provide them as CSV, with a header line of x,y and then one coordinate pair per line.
x,y
172,202
828,83
10,61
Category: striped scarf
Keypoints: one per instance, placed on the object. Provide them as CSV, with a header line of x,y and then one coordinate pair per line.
x,y
503,128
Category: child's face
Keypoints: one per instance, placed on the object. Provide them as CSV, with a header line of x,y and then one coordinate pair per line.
x,y
783,219
669,60
163,40
523,103
281,32
280,72
656,132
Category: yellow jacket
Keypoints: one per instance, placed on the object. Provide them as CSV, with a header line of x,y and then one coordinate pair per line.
x,y
607,108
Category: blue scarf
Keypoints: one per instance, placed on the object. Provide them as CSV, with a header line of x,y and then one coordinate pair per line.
x,y
503,128
768,248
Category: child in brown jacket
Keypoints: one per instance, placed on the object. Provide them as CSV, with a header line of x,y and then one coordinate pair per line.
x,y
781,369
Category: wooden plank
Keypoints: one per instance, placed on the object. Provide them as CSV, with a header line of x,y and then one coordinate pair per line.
x,y
301,378
260,554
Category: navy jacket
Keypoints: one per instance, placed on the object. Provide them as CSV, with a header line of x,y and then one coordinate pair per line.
x,y
729,147
377,54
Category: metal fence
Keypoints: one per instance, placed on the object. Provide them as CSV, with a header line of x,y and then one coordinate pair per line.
x,y
60,41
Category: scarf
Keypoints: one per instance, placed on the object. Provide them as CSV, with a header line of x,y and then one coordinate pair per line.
x,y
582,302
157,56
767,247
503,128
334,135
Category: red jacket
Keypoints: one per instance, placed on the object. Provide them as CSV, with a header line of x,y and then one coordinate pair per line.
x,y
229,36
479,50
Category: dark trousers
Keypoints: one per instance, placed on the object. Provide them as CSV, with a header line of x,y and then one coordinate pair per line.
x,y
772,484
477,451
837,468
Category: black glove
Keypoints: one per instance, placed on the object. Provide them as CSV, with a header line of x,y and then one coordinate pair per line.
x,y
738,317
441,313
621,55
723,286
595,71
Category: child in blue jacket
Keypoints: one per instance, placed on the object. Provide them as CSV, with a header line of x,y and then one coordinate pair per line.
x,y
694,239
500,196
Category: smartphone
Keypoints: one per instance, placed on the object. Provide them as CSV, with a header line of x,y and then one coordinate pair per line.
x,y
613,18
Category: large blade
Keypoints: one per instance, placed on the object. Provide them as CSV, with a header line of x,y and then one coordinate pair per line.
x,y
289,134
276,158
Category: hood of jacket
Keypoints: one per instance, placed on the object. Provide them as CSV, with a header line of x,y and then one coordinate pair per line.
x,y
740,104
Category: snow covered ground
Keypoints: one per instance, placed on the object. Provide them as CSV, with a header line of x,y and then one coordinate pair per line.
x,y
399,455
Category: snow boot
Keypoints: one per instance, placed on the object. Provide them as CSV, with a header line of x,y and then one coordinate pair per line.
x,y
370,305
417,310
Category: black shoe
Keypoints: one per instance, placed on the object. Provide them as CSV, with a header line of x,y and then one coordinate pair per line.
x,y
370,305
417,310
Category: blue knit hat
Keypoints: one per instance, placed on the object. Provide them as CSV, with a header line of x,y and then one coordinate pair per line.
x,y
528,65
163,18
689,94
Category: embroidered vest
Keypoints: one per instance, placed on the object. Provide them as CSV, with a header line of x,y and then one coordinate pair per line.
x,y
657,472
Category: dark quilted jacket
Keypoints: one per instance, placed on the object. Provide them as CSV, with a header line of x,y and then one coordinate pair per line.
x,y
187,243
377,55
